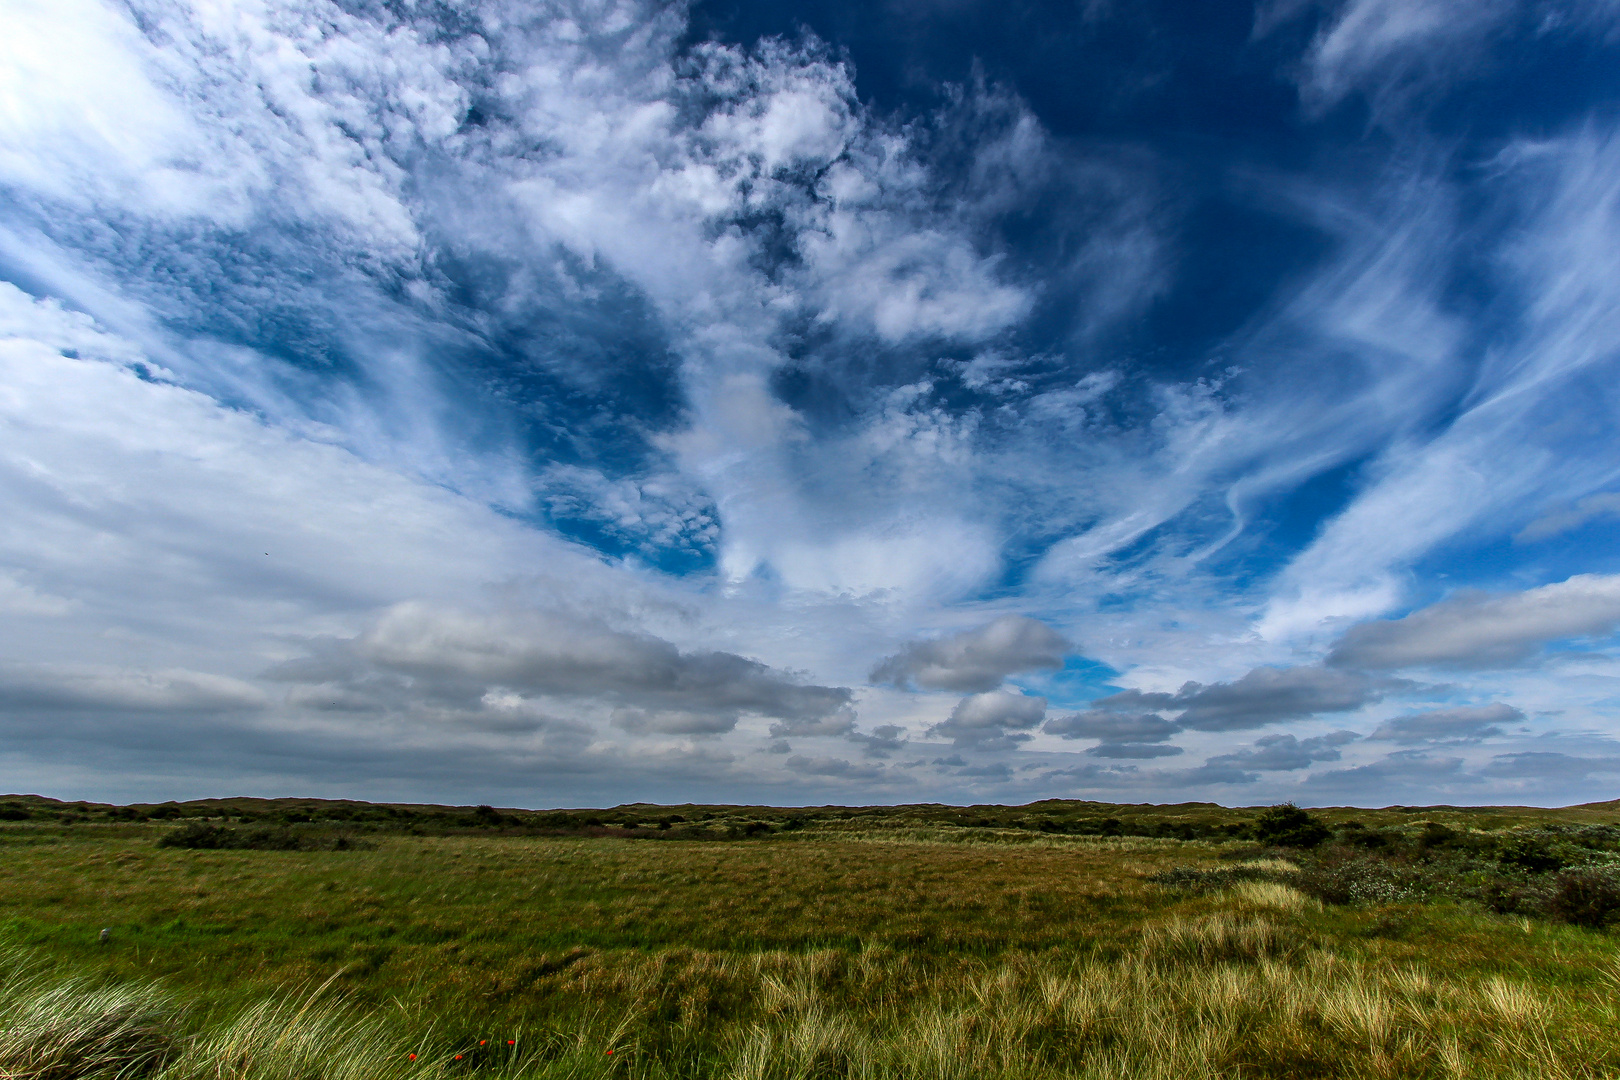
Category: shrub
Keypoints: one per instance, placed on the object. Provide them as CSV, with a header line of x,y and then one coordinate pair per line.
x,y
1505,896
1289,826
1532,853
1359,880
1585,897
198,835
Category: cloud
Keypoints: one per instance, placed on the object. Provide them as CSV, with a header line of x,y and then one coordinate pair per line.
x,y
417,652
1592,508
1482,630
1397,41
883,740
541,387
1112,726
991,720
1269,695
995,772
1265,695
1459,725
1122,734
1134,750
1540,388
840,769
1545,766
975,661
1281,753
1213,773
43,687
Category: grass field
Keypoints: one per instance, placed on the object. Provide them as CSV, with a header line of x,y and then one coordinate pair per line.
x,y
903,942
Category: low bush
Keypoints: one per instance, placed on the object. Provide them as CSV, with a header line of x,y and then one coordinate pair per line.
x,y
1361,879
199,835
1587,897
1289,826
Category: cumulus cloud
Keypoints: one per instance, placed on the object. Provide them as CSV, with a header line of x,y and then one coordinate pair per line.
x,y
1265,695
417,651
1283,753
1459,725
881,741
992,720
1120,734
1483,630
1111,726
975,661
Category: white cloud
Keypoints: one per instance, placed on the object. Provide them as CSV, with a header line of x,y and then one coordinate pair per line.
x,y
1592,508
851,417
992,720
1481,630
416,652
976,660
1462,724
1540,391
1385,42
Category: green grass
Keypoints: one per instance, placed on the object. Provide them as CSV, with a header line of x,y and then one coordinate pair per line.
x,y
877,944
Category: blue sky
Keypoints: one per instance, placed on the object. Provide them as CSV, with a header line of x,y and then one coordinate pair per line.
x,y
584,403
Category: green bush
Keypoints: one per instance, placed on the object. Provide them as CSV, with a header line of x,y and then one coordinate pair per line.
x,y
1361,879
1531,853
199,835
1289,826
1587,897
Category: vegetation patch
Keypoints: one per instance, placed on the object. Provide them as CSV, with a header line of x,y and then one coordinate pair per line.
x,y
883,942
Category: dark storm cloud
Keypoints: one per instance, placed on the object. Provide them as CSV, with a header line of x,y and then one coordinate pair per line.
x,y
1463,724
1485,630
978,660
417,653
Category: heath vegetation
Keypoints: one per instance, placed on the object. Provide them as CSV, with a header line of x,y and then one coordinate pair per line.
x,y
297,939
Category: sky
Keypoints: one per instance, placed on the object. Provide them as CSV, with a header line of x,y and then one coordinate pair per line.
x,y
582,403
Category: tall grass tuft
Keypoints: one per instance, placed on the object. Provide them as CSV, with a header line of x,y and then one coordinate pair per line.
x,y
56,1028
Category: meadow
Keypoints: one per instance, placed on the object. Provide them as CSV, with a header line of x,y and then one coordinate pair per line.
x,y
298,939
